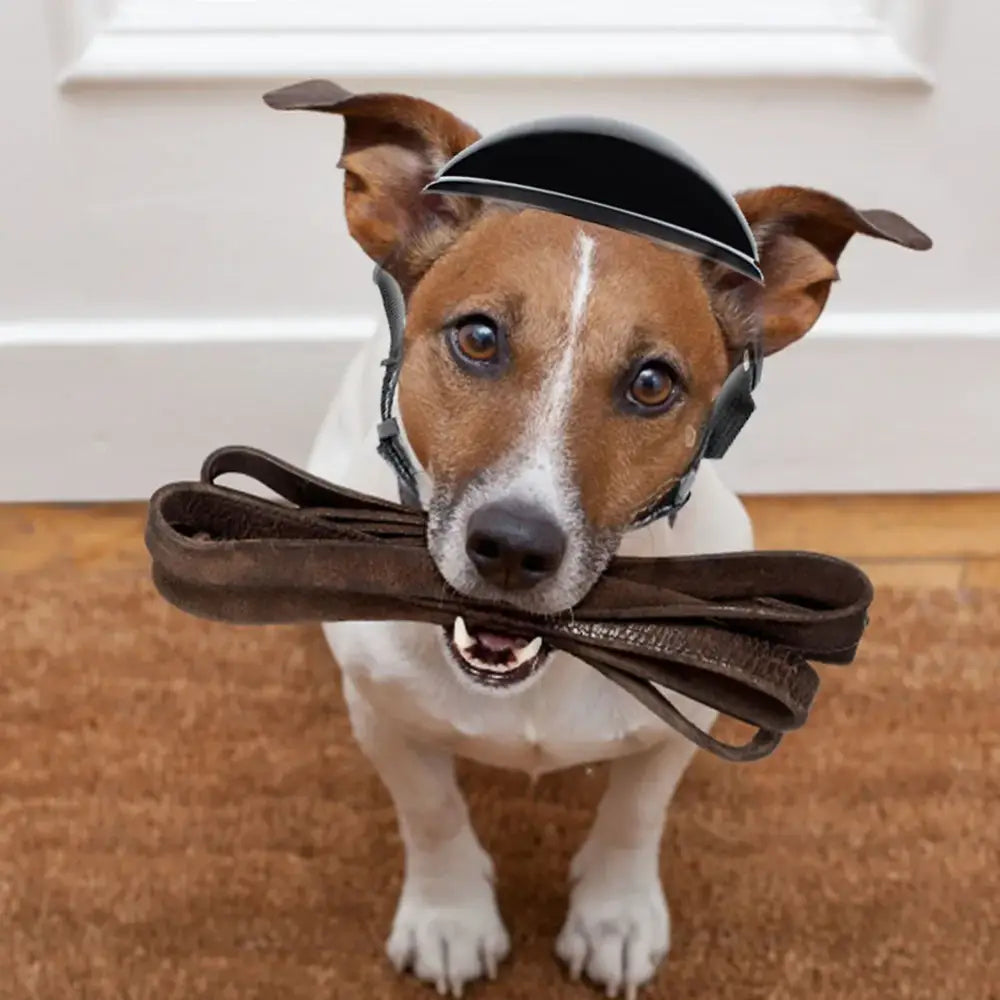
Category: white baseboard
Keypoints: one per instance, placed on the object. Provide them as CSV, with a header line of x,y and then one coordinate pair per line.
x,y
878,403
108,411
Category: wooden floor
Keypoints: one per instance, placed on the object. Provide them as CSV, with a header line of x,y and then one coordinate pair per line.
x,y
950,541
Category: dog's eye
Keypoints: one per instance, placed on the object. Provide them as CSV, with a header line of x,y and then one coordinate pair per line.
x,y
475,340
652,386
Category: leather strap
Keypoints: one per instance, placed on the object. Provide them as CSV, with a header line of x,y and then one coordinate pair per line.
x,y
732,408
390,444
735,631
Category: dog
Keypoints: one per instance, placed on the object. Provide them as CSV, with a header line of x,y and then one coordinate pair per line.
x,y
556,377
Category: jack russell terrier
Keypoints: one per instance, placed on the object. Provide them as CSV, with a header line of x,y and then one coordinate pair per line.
x,y
556,375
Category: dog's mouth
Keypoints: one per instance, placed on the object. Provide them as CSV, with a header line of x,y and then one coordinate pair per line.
x,y
492,659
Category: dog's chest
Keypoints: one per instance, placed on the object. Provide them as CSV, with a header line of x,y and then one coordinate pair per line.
x,y
571,715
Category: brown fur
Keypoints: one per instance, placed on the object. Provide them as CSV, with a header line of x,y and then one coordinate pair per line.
x,y
513,267
646,301
393,145
454,256
800,236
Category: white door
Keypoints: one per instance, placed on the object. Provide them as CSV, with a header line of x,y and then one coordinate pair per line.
x,y
175,271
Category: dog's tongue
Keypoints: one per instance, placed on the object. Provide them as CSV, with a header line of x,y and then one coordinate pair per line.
x,y
498,643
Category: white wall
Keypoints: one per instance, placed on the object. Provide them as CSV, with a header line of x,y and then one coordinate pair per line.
x,y
175,271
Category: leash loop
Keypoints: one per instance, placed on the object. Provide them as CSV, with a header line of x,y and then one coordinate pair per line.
x,y
734,631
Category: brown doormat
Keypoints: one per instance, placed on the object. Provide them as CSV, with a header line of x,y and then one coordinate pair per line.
x,y
183,814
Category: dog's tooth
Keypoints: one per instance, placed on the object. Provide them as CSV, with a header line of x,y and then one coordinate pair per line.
x,y
461,635
474,661
528,652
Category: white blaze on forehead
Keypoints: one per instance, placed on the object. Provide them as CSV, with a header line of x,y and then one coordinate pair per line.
x,y
557,390
538,469
581,290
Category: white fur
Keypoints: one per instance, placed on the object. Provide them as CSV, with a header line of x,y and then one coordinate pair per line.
x,y
411,713
539,469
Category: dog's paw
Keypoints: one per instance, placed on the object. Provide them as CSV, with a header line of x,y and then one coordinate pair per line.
x,y
448,934
618,927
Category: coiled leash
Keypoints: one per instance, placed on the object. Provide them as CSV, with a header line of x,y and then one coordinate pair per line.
x,y
733,631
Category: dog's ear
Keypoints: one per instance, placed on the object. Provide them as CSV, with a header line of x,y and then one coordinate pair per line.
x,y
393,145
800,236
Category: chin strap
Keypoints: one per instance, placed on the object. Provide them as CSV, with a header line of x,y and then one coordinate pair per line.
x,y
731,410
390,445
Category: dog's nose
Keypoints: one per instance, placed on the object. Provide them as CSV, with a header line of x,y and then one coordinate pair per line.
x,y
514,545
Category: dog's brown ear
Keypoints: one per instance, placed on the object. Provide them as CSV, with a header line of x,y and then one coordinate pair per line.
x,y
393,145
800,236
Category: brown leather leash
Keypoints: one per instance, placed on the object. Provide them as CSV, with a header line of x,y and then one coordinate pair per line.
x,y
734,631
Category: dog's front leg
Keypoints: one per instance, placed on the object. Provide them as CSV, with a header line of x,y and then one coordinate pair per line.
x,y
618,927
447,927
